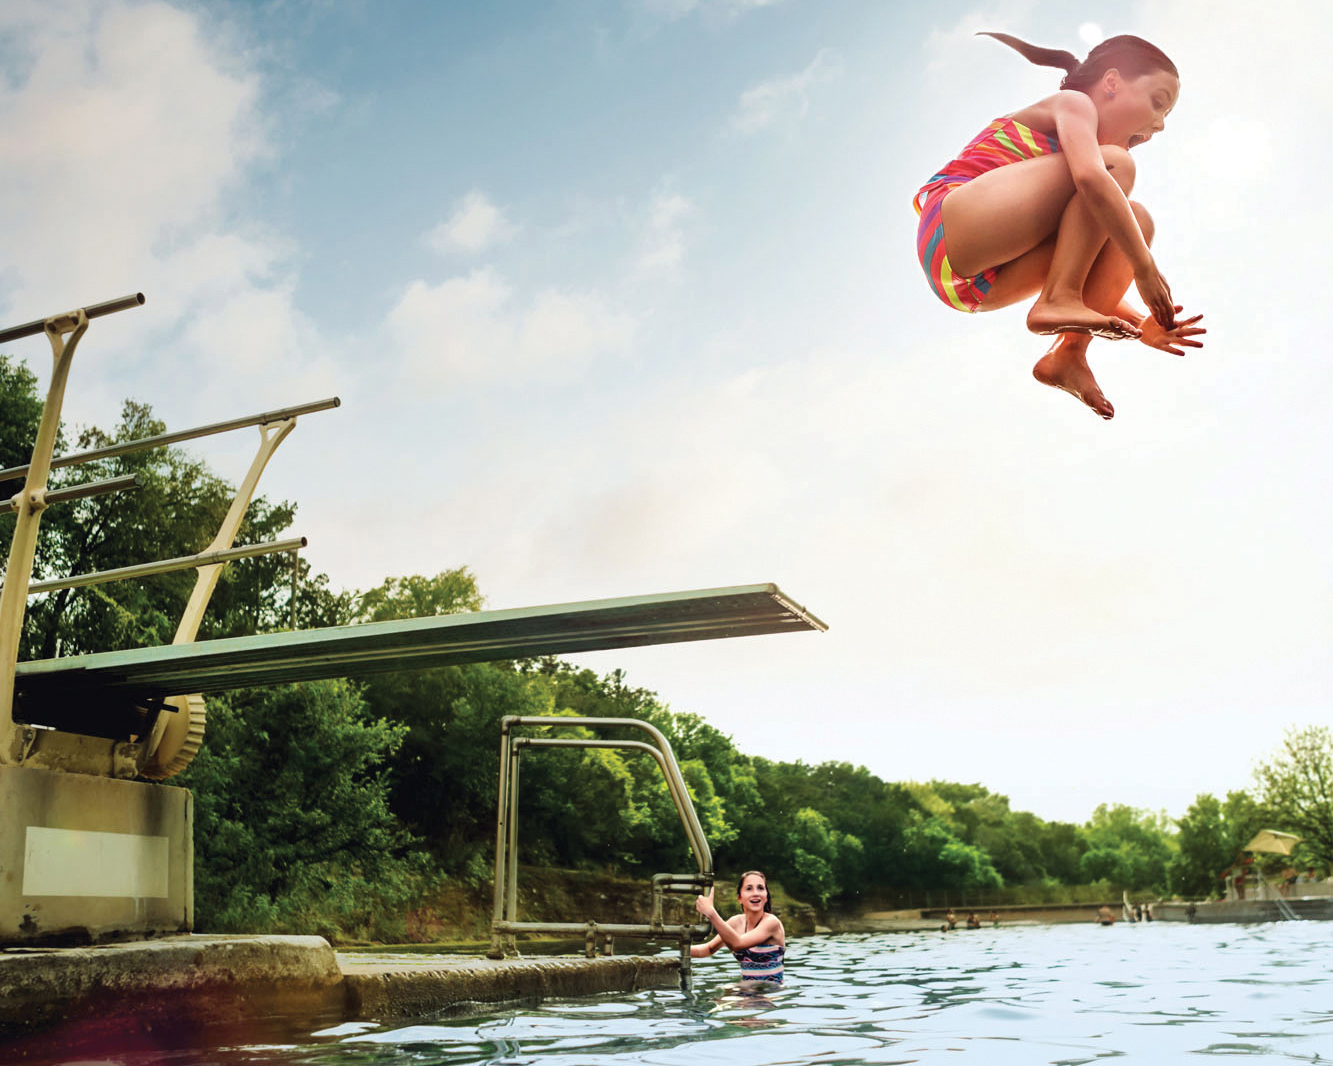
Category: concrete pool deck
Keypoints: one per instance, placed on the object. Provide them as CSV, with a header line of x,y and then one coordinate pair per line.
x,y
403,986
188,989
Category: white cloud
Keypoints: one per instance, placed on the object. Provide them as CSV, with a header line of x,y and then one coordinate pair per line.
x,y
126,129
954,52
663,243
764,104
254,330
468,328
475,225
122,138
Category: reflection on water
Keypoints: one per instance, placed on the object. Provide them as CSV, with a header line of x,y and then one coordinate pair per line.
x,y
1065,994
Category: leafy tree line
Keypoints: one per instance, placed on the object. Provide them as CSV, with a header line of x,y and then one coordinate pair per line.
x,y
335,806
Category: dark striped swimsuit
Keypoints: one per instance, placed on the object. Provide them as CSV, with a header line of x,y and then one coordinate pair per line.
x,y
762,962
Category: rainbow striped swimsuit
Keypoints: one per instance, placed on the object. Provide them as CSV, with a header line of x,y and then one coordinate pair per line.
x,y
762,962
1003,141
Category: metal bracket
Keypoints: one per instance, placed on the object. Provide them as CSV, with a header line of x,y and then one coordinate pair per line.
x,y
125,760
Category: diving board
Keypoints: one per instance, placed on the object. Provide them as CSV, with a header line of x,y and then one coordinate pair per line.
x,y
46,686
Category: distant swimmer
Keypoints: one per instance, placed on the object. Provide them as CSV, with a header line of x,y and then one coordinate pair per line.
x,y
1038,204
755,936
1105,916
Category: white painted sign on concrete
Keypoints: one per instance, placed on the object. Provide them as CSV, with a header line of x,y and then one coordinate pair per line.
x,y
80,862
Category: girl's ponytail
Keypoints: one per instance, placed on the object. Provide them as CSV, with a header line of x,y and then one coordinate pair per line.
x,y
1043,57
1132,56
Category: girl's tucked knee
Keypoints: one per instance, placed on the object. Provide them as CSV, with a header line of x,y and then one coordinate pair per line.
x,y
1120,164
1144,219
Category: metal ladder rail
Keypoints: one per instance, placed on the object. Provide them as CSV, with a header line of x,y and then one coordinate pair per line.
x,y
504,924
1284,909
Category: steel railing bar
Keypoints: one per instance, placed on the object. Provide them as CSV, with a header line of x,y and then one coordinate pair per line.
x,y
163,439
126,483
164,566
106,307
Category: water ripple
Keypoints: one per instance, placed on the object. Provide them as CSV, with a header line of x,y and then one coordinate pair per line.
x,y
1062,995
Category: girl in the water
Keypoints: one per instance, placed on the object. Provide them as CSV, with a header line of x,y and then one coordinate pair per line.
x,y
755,936
1037,204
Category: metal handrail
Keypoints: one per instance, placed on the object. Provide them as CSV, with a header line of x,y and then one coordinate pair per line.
x,y
675,784
124,483
56,322
1284,909
125,447
504,923
166,566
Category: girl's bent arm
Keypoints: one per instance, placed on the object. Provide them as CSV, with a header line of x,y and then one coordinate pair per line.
x,y
1075,119
699,951
735,939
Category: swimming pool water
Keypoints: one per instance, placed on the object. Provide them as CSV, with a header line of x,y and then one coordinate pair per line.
x,y
1062,994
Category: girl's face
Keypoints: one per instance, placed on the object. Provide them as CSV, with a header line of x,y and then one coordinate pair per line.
x,y
1138,108
754,893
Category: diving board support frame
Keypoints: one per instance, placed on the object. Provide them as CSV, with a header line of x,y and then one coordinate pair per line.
x,y
175,738
175,728
504,921
64,331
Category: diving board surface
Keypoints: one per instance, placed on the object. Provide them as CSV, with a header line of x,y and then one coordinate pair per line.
x,y
411,644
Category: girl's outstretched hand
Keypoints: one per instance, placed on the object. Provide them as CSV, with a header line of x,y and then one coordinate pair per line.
x,y
1182,333
1156,294
704,904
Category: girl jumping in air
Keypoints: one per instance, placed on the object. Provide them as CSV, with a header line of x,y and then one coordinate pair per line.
x,y
1038,203
755,936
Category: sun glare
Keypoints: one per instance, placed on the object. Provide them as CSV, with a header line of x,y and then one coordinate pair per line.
x,y
1090,33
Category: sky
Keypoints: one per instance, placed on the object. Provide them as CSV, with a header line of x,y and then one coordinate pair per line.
x,y
620,297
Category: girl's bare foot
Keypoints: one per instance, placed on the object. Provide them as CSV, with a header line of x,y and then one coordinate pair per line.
x,y
1053,315
1066,367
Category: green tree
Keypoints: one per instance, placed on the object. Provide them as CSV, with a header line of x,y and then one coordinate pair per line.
x,y
983,818
20,412
1061,845
815,856
293,831
1295,786
1127,847
415,596
445,776
1208,837
933,857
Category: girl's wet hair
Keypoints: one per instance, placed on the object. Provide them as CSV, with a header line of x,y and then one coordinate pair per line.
x,y
768,899
1132,56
